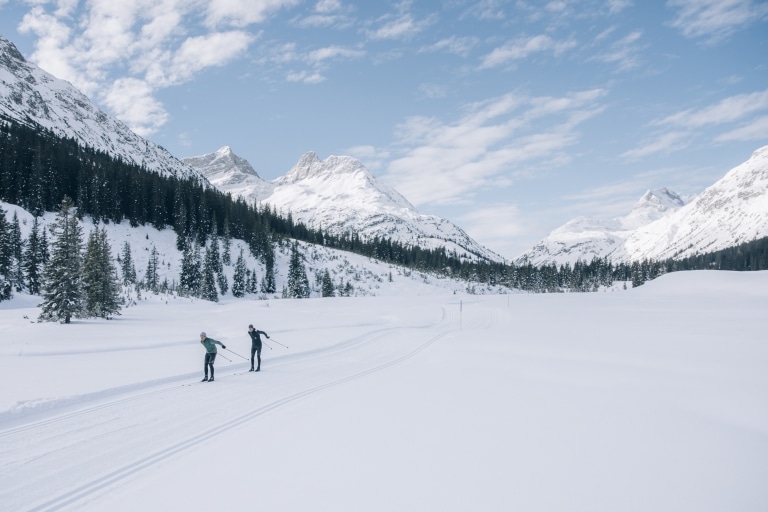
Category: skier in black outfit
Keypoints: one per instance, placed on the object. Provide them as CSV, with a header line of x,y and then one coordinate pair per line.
x,y
210,354
255,346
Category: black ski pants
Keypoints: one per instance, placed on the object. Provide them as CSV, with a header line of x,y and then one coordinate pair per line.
x,y
256,350
210,357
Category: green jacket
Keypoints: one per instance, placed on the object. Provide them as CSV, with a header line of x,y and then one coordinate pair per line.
x,y
210,345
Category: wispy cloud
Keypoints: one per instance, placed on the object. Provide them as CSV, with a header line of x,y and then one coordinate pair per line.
x,y
461,46
522,48
679,130
624,53
665,143
446,163
123,53
400,26
756,130
725,111
715,20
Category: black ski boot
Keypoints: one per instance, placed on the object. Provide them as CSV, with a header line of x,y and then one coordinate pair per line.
x,y
205,379
211,379
251,370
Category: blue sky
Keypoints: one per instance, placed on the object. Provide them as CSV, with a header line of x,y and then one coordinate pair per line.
x,y
507,117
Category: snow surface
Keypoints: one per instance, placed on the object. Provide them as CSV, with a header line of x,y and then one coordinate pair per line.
x,y
647,399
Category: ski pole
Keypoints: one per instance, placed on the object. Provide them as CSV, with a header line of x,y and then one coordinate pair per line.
x,y
267,344
225,357
237,354
273,339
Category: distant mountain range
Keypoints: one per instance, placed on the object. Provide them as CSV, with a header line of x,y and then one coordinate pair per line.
x,y
338,195
663,225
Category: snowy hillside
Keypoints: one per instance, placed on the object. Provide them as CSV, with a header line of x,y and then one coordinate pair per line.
x,y
338,195
29,94
585,238
367,277
732,211
642,400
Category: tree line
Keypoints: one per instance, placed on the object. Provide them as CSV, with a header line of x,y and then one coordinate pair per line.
x,y
39,169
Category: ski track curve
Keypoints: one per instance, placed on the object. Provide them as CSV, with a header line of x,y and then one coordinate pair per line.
x,y
105,422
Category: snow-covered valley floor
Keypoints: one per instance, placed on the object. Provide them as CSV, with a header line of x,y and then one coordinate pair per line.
x,y
654,398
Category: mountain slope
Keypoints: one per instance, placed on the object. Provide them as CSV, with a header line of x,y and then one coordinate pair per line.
x,y
30,95
585,237
338,195
731,211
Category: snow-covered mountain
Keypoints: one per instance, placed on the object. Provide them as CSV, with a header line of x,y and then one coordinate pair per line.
x,y
662,225
338,195
732,211
29,94
586,237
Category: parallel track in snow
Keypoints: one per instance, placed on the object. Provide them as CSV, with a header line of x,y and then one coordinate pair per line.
x,y
68,459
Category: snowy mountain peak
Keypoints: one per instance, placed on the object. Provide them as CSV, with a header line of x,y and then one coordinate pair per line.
x,y
311,166
663,224
29,94
340,195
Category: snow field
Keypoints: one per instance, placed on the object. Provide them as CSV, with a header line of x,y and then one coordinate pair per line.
x,y
649,399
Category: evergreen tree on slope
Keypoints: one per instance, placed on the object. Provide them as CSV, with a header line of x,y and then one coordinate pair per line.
x,y
62,297
100,284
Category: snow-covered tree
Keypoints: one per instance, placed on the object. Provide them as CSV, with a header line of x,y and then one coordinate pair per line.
x,y
62,298
191,271
327,284
127,266
100,283
151,277
298,284
238,278
208,283
6,258
33,259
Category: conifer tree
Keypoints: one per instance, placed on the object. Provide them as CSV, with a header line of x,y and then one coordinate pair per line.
x,y
17,253
226,255
6,258
100,284
208,283
62,298
253,283
151,277
238,278
191,273
33,259
127,267
298,284
327,284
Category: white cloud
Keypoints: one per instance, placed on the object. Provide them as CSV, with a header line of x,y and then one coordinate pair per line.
x,y
104,47
402,26
665,143
241,13
461,46
524,47
624,53
727,110
333,52
306,77
133,102
616,6
756,130
716,20
494,143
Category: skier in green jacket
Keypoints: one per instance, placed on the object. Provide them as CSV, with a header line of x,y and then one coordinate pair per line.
x,y
210,354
